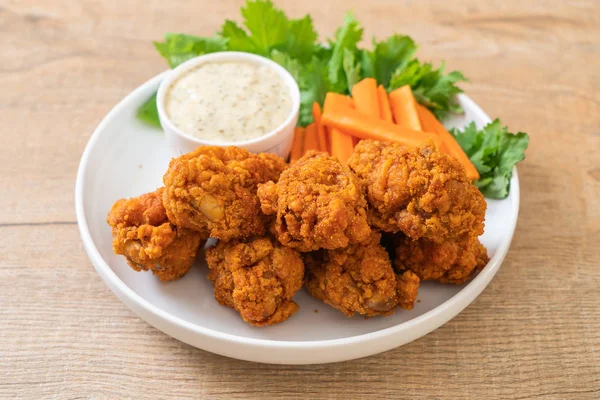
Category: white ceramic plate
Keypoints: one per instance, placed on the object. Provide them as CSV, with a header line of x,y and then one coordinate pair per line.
x,y
126,158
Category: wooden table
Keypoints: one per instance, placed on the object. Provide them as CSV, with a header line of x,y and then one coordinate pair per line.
x,y
533,333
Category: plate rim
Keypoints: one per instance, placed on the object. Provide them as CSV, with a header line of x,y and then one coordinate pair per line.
x,y
440,314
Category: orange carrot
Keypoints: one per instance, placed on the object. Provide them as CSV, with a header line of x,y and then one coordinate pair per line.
x,y
362,126
384,104
404,108
297,144
311,142
430,123
364,94
321,132
341,145
334,101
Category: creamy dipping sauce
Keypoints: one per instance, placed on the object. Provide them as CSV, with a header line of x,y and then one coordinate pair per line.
x,y
229,101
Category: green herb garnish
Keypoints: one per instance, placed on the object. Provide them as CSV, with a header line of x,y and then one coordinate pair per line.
x,y
430,86
148,112
494,151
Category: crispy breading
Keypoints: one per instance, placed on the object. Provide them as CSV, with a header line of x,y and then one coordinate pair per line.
x,y
258,278
408,289
318,203
144,235
418,191
358,279
213,190
447,262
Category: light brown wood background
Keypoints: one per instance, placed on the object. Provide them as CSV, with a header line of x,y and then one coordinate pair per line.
x,y
533,333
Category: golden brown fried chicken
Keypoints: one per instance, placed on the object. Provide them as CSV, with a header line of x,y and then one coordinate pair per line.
x,y
408,289
448,262
359,279
258,278
213,190
318,203
418,191
144,235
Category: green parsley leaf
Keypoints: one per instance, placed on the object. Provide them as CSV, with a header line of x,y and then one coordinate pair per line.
x,y
390,55
430,86
314,85
367,63
293,65
148,112
268,26
237,38
302,39
469,139
351,69
312,81
322,52
346,39
494,152
178,48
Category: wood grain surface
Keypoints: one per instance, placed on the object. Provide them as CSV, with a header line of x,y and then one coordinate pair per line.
x,y
533,333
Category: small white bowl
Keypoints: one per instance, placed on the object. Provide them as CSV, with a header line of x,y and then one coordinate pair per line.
x,y
278,141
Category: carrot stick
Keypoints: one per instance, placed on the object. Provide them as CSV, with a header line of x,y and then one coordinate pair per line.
x,y
366,100
341,145
364,94
362,126
334,101
430,123
297,144
321,132
404,108
384,104
311,142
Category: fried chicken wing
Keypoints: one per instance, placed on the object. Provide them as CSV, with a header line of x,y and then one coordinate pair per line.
x,y
447,262
359,279
258,278
418,191
144,235
318,203
213,190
